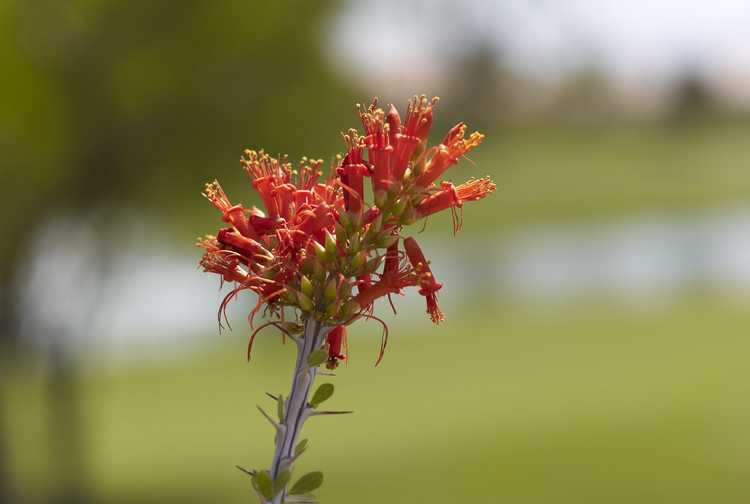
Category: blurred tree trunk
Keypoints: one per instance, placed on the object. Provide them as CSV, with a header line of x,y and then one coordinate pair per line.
x,y
9,337
65,431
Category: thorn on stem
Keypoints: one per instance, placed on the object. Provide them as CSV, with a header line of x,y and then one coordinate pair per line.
x,y
269,418
249,473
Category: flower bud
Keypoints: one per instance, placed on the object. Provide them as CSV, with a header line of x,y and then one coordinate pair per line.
x,y
305,303
319,272
386,240
355,243
358,261
329,293
307,266
345,220
377,224
330,311
330,244
341,234
356,220
320,251
306,286
399,206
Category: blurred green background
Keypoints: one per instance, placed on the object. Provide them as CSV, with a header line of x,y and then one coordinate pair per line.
x,y
595,347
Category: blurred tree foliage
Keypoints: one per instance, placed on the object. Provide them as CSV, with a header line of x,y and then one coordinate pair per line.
x,y
135,104
132,105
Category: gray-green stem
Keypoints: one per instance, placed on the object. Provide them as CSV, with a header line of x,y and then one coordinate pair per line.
x,y
296,407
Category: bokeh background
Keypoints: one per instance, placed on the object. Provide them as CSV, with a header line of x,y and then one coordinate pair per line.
x,y
596,343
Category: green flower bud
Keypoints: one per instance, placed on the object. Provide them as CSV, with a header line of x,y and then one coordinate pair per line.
x,y
355,243
330,310
306,286
329,293
330,245
356,220
319,272
386,240
345,220
320,251
377,224
399,206
305,303
358,261
341,234
307,265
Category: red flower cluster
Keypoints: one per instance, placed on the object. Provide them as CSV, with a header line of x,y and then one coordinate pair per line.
x,y
319,247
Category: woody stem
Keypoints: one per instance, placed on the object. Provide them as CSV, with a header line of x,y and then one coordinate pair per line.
x,y
296,403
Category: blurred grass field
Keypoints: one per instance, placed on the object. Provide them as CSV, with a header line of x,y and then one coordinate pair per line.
x,y
564,173
597,404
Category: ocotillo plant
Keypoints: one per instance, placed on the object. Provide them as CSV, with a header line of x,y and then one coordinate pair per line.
x,y
321,255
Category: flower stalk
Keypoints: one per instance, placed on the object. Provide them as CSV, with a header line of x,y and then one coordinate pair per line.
x,y
296,408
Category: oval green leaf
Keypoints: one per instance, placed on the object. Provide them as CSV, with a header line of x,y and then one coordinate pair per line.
x,y
307,483
317,358
324,392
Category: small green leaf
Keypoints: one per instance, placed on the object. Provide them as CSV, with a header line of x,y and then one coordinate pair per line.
x,y
300,448
264,484
317,358
280,407
307,483
281,481
324,392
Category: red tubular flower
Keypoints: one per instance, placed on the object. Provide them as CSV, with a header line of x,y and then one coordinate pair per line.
x,y
352,172
225,265
419,117
428,286
233,214
336,340
265,187
445,155
414,132
475,189
379,150
450,196
262,224
284,196
221,262
312,221
394,124
246,246
388,284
